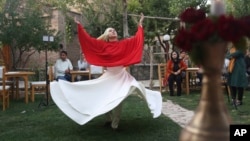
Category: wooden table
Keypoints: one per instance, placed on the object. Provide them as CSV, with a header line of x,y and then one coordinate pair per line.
x,y
78,72
25,76
188,71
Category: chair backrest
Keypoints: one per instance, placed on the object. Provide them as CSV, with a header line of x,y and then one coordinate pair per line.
x,y
161,74
2,76
161,71
1,72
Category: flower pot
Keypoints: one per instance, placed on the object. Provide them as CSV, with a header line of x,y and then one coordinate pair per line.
x,y
211,120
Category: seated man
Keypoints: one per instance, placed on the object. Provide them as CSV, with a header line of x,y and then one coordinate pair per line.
x,y
63,67
82,65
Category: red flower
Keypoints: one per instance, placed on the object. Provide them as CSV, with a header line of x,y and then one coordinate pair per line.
x,y
191,15
230,29
184,39
201,29
204,29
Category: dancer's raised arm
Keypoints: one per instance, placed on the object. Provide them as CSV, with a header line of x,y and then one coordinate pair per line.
x,y
76,21
141,19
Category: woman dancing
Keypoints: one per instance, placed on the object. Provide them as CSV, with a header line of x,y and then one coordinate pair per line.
x,y
82,101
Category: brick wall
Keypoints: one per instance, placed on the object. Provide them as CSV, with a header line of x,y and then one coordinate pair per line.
x,y
38,60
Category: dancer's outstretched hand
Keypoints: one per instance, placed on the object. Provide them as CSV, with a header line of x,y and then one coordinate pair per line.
x,y
141,20
76,21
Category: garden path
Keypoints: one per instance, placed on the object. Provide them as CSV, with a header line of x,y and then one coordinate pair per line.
x,y
177,113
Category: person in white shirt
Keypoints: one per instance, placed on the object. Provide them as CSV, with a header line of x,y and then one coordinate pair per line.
x,y
63,67
82,65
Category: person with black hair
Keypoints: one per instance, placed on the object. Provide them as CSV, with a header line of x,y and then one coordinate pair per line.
x,y
175,66
63,66
237,79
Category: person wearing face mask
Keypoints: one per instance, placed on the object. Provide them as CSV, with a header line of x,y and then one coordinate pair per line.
x,y
82,101
174,69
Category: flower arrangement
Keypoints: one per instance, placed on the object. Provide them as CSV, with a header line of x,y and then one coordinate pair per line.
x,y
200,29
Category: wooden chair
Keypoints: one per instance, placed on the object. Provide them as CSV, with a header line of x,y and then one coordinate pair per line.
x,y
4,89
10,83
95,71
40,86
161,75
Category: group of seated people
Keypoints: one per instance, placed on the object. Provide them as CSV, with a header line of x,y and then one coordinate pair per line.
x,y
63,66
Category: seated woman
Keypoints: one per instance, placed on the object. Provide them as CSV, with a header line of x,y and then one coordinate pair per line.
x,y
174,69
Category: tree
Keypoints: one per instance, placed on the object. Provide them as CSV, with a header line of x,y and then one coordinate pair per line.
x,y
100,14
22,26
157,26
238,8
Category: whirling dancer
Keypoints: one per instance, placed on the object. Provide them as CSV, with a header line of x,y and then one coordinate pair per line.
x,y
82,101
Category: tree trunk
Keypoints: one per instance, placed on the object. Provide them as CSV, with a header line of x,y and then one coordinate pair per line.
x,y
125,19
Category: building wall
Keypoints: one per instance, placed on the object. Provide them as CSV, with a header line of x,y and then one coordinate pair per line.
x,y
58,23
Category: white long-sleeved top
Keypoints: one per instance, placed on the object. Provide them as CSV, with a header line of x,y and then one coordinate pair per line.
x,y
61,66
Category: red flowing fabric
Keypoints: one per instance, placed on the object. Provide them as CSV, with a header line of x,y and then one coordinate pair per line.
x,y
121,53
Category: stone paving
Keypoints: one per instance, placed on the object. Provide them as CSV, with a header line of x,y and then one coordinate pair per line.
x,y
177,113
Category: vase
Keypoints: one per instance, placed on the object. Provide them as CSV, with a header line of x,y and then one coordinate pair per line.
x,y
211,119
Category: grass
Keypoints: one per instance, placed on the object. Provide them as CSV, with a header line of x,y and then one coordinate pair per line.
x,y
30,123
241,115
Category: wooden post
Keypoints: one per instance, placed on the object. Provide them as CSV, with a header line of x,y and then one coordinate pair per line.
x,y
5,57
151,83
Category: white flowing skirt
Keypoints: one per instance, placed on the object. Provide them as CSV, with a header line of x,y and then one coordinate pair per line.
x,y
84,100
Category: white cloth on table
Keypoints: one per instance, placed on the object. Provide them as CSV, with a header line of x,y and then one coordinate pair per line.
x,y
84,100
96,69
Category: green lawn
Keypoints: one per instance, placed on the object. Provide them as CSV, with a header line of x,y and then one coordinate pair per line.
x,y
241,115
28,122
